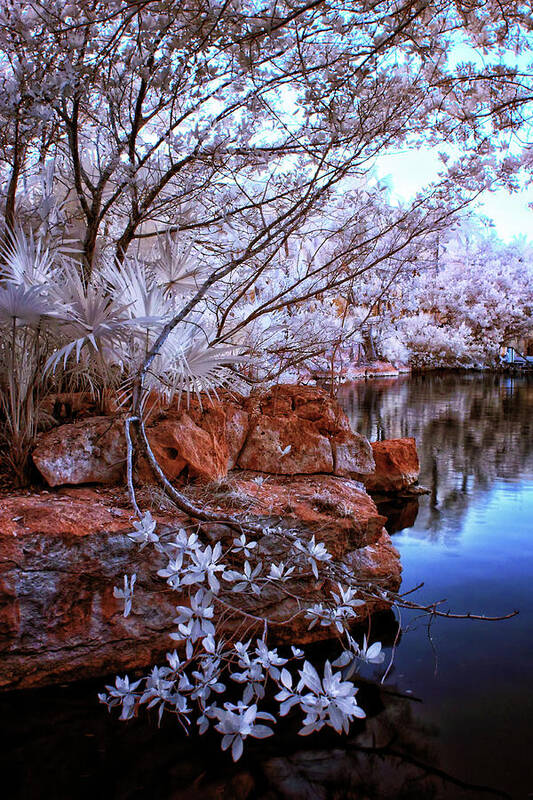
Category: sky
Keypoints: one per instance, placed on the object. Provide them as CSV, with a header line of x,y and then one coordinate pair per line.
x,y
408,172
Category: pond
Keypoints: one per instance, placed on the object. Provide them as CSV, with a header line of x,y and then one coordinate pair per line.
x,y
455,719
471,542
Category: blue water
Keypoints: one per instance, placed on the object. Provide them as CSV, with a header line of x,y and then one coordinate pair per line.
x,y
476,682
455,722
472,545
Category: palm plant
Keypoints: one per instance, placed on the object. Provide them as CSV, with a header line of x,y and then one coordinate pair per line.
x,y
188,361
25,339
60,330
92,324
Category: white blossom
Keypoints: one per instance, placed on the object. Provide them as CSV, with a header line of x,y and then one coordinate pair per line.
x,y
126,593
237,722
314,553
144,531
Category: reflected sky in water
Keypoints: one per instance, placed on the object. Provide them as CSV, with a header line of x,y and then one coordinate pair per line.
x,y
471,542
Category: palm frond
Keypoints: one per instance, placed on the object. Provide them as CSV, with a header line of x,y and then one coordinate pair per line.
x,y
189,363
175,269
88,317
26,260
21,305
138,291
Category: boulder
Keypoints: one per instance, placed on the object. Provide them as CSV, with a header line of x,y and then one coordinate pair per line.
x,y
352,455
90,451
204,434
302,430
397,466
178,442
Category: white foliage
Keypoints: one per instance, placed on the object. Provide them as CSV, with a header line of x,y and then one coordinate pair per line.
x,y
190,688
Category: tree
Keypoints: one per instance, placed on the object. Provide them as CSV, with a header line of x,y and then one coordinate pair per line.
x,y
461,311
243,132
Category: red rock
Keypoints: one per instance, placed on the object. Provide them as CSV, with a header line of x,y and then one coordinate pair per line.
x,y
307,402
287,430
62,553
380,562
60,556
312,424
197,435
352,455
269,436
237,426
90,451
166,446
338,511
274,402
203,446
178,442
397,466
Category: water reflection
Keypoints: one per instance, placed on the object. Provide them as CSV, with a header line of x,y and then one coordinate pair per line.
x,y
470,541
470,430
79,751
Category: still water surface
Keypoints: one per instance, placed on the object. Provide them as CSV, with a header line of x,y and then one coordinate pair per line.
x,y
456,719
472,543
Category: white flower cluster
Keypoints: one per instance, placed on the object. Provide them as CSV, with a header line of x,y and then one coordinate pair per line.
x,y
197,677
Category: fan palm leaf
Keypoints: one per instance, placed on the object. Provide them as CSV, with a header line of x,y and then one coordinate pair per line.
x,y
143,297
189,363
21,305
26,260
174,268
88,316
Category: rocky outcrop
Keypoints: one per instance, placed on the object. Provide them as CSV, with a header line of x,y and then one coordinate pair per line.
x,y
288,430
337,511
397,466
296,466
61,554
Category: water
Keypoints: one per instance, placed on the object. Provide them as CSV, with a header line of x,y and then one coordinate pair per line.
x,y
471,543
456,720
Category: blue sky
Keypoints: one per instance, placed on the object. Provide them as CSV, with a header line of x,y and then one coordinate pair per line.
x,y
410,171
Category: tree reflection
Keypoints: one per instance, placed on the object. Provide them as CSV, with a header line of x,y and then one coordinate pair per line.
x,y
470,430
